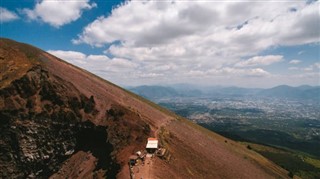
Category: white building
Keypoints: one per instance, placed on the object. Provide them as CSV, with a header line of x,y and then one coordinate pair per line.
x,y
152,145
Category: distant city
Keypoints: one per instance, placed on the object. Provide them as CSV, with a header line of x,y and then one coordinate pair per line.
x,y
282,116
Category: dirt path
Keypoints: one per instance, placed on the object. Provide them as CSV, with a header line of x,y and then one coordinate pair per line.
x,y
144,171
167,122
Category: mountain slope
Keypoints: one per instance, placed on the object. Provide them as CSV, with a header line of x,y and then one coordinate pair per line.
x,y
61,121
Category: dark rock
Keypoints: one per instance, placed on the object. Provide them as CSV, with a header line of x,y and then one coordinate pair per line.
x,y
41,126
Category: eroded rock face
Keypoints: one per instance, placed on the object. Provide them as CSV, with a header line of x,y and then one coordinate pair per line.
x,y
44,120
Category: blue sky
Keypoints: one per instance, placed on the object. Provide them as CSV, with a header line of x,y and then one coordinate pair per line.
x,y
238,43
44,35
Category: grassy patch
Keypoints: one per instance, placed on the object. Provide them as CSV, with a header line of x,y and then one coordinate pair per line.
x,y
297,163
312,161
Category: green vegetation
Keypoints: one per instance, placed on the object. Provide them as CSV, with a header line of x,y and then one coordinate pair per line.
x,y
272,137
297,163
183,111
253,125
313,161
296,147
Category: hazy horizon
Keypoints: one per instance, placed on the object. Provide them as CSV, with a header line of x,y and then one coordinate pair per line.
x,y
130,43
212,86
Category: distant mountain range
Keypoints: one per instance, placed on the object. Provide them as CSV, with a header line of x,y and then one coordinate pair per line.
x,y
304,92
152,92
155,91
301,92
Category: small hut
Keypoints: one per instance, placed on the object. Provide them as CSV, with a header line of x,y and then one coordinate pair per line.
x,y
152,145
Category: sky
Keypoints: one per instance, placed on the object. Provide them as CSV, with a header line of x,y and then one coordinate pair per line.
x,y
262,43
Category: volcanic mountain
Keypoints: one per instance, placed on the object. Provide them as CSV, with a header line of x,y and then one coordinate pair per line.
x,y
60,121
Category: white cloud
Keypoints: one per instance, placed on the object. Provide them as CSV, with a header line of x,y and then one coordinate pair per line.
x,y
172,40
260,61
6,15
255,72
310,68
294,62
145,23
317,65
313,67
98,64
58,12
73,57
293,68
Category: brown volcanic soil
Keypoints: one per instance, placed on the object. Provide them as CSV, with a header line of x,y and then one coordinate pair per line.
x,y
202,148
118,124
105,93
80,165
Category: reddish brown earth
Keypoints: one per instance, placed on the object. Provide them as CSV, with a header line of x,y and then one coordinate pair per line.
x,y
102,126
79,165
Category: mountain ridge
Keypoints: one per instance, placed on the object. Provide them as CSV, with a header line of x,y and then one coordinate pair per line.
x,y
53,111
303,92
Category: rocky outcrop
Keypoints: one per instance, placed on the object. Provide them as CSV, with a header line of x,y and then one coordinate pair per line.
x,y
44,120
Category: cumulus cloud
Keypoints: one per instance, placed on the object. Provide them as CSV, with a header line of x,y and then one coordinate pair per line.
x,y
294,62
146,23
58,12
313,67
293,68
317,65
95,63
6,15
176,39
260,61
255,72
310,68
